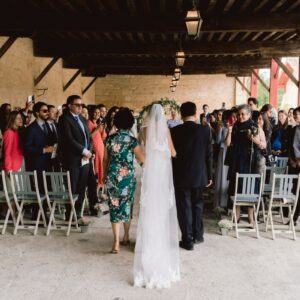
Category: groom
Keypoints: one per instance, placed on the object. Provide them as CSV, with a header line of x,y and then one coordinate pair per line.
x,y
192,171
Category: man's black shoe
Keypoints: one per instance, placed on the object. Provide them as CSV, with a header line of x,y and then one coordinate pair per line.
x,y
198,241
186,247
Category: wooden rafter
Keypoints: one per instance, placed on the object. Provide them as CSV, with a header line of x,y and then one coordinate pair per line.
x,y
261,81
71,80
287,71
123,23
8,43
243,86
45,71
89,85
43,47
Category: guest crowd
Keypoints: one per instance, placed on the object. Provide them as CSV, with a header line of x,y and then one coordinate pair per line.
x,y
98,147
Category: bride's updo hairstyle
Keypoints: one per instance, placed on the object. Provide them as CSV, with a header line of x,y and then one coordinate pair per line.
x,y
124,119
188,109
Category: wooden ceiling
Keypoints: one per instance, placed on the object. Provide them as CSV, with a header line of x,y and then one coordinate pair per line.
x,y
102,37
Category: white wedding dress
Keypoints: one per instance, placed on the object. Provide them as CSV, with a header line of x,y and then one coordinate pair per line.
x,y
156,260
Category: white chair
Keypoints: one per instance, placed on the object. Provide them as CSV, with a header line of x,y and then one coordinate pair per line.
x,y
282,196
58,192
248,190
267,188
25,191
6,198
281,162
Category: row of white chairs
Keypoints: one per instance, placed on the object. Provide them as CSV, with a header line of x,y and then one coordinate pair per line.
x,y
22,189
275,188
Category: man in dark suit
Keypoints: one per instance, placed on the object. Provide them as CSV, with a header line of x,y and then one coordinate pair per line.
x,y
75,147
192,171
37,147
205,113
37,144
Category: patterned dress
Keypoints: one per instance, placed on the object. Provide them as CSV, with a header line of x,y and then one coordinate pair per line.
x,y
121,181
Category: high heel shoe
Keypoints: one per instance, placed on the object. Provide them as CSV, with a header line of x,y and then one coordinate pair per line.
x,y
125,243
115,250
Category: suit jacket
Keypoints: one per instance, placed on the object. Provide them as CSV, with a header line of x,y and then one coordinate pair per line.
x,y
192,167
53,136
36,140
71,140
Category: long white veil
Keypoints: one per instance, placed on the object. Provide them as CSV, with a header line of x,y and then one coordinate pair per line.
x,y
156,260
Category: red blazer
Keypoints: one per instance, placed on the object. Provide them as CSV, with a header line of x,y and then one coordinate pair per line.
x,y
13,151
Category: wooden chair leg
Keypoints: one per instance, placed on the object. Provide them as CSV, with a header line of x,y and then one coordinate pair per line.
x,y
235,221
51,219
263,209
292,222
5,221
255,222
37,222
272,226
20,211
70,223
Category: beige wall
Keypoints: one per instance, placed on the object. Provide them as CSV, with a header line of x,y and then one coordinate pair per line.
x,y
137,91
18,68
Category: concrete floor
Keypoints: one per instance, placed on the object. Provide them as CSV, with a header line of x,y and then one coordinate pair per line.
x,y
80,267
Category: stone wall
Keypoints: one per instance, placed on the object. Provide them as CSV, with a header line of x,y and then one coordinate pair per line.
x,y
136,91
18,68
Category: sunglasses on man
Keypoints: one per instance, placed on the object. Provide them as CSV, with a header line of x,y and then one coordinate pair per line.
x,y
77,105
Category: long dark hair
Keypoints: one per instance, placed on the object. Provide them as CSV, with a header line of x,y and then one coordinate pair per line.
x,y
267,124
286,123
109,117
12,119
92,111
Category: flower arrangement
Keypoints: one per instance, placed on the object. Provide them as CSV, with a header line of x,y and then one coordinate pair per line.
x,y
225,223
219,211
166,103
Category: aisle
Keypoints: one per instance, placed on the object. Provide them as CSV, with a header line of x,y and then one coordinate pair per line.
x,y
80,267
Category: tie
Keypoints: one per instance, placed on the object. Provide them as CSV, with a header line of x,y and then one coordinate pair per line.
x,y
82,128
45,128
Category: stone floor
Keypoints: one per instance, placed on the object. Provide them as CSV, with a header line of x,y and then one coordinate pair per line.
x,y
81,267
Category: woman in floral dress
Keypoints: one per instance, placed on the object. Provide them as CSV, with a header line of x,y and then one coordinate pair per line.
x,y
121,149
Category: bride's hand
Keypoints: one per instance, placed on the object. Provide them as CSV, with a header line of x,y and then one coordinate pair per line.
x,y
209,183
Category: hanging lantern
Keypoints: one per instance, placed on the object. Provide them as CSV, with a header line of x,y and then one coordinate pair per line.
x,y
177,73
193,22
174,81
180,58
172,88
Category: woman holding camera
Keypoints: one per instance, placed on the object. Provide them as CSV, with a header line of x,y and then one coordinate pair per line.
x,y
98,136
244,144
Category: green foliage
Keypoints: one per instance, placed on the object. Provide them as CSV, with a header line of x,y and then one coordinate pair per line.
x,y
166,103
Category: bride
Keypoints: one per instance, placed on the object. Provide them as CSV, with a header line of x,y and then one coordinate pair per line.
x,y
156,260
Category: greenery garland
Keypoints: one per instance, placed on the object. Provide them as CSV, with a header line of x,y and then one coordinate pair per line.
x,y
167,104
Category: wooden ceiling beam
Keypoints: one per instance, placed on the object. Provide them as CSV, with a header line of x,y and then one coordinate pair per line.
x,y
16,22
82,62
67,47
163,70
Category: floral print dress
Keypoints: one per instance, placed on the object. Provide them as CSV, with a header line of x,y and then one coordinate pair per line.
x,y
121,181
